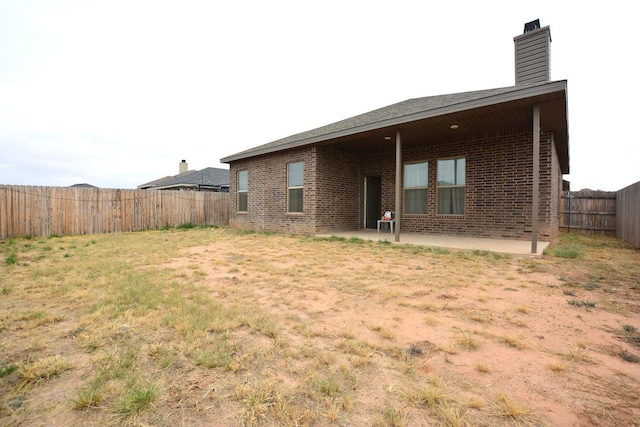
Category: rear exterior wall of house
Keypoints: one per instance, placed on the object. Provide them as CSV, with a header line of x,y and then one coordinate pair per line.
x,y
498,191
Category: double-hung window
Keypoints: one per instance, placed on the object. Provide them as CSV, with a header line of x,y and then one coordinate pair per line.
x,y
415,187
243,191
295,180
451,186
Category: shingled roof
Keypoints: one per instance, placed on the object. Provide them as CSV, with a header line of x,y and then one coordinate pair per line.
x,y
210,178
404,112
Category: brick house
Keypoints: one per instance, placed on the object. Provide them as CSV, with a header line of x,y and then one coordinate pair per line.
x,y
479,163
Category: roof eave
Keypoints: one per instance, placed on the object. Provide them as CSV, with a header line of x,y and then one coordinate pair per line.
x,y
525,92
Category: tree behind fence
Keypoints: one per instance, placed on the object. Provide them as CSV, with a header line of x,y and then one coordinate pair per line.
x,y
44,211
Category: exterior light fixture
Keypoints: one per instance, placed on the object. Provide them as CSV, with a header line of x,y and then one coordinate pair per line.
x,y
387,138
454,126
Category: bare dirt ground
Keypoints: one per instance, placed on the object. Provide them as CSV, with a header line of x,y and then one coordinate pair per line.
x,y
336,332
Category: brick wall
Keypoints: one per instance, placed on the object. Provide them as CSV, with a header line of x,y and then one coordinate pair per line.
x,y
267,196
339,190
498,186
497,197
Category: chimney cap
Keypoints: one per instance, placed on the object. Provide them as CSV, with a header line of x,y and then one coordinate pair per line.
x,y
530,26
184,161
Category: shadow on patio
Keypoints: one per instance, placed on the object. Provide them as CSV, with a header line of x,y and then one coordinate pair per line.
x,y
516,247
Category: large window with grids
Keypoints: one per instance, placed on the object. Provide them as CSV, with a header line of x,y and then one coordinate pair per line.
x,y
295,181
243,191
451,186
415,187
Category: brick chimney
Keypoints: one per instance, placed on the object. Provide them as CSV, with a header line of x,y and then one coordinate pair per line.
x,y
533,54
184,166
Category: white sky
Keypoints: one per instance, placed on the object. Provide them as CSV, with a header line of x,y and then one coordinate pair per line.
x,y
116,93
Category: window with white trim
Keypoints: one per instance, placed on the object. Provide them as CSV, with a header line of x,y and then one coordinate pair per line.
x,y
451,186
243,191
416,177
295,181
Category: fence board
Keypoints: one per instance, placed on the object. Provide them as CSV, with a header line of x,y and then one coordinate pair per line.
x,y
628,218
43,211
591,212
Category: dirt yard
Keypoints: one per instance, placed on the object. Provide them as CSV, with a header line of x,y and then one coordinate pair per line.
x,y
216,327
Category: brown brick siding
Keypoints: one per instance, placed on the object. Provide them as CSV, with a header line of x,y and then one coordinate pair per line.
x,y
339,189
497,198
267,195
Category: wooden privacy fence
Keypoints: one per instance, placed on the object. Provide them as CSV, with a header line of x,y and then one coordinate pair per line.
x,y
44,211
628,214
591,212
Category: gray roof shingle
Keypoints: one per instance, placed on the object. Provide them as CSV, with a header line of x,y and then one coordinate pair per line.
x,y
209,177
400,112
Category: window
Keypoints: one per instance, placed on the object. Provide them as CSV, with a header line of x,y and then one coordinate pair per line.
x,y
295,179
451,185
415,188
243,191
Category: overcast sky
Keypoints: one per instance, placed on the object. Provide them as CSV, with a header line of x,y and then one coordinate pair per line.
x,y
116,93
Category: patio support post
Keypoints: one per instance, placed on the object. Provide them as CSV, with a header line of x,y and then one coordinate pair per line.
x,y
398,214
535,202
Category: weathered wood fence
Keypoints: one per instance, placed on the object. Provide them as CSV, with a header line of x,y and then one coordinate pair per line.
x,y
590,212
628,214
613,213
44,211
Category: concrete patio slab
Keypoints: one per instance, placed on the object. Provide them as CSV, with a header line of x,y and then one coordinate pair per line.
x,y
516,247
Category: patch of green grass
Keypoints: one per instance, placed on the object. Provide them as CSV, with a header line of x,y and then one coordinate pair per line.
x,y
331,238
264,324
582,303
186,226
328,386
218,355
441,251
572,251
628,357
590,286
7,369
391,416
91,395
136,398
528,265
11,259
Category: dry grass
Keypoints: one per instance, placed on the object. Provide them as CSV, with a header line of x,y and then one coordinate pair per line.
x,y
220,327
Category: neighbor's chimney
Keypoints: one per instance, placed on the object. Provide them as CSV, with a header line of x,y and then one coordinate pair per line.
x,y
184,166
533,54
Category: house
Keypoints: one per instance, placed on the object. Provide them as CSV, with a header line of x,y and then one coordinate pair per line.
x,y
82,185
207,179
486,163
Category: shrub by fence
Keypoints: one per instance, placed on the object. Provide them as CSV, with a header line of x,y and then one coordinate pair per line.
x,y
628,214
44,211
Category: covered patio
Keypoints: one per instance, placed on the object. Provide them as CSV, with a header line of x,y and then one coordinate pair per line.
x,y
514,247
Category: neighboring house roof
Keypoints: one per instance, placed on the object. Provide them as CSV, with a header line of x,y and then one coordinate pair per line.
x,y
83,185
504,108
211,178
